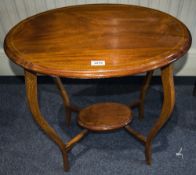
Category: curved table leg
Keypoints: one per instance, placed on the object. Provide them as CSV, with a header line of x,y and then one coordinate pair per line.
x,y
31,90
167,108
139,103
66,100
68,107
143,92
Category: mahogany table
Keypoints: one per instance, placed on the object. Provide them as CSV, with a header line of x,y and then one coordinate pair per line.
x,y
99,41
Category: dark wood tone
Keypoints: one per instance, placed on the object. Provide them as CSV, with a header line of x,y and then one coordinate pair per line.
x,y
69,108
131,39
134,104
105,116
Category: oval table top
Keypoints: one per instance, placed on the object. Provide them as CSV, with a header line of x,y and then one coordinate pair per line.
x,y
97,41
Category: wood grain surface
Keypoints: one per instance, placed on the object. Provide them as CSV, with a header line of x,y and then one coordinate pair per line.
x,y
105,116
64,41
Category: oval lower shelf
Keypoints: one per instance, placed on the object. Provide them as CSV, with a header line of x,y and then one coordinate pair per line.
x,y
105,116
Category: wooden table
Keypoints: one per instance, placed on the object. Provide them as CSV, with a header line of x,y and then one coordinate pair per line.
x,y
99,41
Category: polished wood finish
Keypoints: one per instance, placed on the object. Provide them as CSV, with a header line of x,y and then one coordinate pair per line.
x,y
130,39
32,97
31,90
167,108
105,116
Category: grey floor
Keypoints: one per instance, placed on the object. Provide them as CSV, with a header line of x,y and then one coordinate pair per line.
x,y
25,150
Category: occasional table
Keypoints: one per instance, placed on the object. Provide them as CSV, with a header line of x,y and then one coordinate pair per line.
x,y
99,41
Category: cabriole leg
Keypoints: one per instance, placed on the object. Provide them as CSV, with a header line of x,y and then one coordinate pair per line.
x,y
31,90
167,108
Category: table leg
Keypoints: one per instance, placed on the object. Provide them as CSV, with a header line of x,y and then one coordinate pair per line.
x,y
167,108
31,90
143,92
69,108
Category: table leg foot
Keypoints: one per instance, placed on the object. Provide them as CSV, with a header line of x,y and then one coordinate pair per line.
x,y
65,161
148,153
